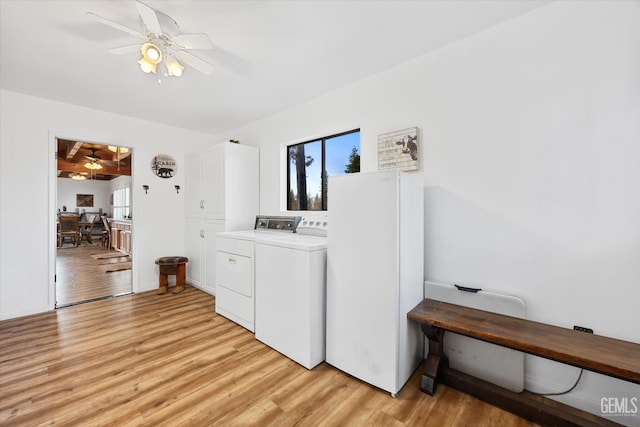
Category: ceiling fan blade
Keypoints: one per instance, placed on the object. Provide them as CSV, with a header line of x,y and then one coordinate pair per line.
x,y
125,49
149,18
193,41
116,25
198,63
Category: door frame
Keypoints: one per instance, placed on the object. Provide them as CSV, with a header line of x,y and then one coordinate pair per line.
x,y
53,197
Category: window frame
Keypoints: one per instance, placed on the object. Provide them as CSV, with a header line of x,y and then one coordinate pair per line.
x,y
126,209
323,175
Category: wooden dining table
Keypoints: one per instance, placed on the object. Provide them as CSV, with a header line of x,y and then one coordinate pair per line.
x,y
82,225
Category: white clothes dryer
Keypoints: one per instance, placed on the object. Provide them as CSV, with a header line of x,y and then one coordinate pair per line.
x,y
291,282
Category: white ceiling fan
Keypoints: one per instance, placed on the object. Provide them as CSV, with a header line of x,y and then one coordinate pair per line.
x,y
162,40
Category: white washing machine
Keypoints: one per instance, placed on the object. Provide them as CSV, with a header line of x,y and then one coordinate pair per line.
x,y
235,267
291,283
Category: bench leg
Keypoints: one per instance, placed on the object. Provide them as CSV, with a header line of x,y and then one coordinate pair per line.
x,y
164,284
180,279
434,359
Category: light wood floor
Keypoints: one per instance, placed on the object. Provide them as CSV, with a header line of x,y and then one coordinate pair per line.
x,y
170,360
80,279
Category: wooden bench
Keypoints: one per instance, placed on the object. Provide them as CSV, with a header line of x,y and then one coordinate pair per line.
x,y
608,356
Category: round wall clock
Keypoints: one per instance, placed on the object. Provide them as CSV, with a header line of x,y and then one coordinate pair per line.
x,y
164,166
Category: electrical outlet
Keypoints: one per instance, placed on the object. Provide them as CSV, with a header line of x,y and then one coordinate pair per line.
x,y
583,329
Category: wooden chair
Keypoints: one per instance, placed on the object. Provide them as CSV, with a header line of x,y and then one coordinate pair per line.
x,y
106,233
69,227
87,231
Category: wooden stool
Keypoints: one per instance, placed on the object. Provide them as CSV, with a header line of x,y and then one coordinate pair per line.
x,y
175,265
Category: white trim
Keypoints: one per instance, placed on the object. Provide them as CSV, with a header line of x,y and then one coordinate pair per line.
x,y
21,313
52,227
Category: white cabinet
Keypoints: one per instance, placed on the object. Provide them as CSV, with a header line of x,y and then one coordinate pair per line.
x,y
215,167
193,185
201,250
222,183
194,246
205,177
221,194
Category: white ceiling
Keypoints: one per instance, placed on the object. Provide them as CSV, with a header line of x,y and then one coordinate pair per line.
x,y
268,55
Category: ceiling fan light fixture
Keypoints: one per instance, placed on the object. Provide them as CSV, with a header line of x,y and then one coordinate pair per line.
x,y
116,149
151,57
151,53
93,165
161,40
77,176
146,66
174,68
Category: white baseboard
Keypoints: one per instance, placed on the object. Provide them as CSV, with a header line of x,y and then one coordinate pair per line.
x,y
208,289
24,312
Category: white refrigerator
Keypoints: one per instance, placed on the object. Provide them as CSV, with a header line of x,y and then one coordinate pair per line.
x,y
375,258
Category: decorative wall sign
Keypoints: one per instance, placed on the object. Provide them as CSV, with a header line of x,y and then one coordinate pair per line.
x,y
84,200
399,150
164,166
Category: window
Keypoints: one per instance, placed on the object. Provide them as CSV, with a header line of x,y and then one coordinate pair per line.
x,y
121,203
309,164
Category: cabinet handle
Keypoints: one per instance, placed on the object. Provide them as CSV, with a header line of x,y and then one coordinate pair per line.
x,y
202,233
232,260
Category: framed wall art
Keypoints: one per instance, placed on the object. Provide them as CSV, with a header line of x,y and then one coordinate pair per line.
x,y
399,150
164,166
84,200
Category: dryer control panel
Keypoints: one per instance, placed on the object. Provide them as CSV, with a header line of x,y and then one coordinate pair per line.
x,y
313,227
277,223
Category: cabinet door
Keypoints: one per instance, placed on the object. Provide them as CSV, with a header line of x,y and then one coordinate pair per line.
x,y
210,230
193,183
194,245
213,183
242,175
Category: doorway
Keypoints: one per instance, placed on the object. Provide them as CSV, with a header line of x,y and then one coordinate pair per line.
x,y
93,189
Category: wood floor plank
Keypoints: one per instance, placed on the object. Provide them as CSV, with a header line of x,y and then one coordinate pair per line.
x,y
166,360
80,277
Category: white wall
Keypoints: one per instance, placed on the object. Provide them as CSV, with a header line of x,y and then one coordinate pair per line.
x,y
68,189
27,209
530,137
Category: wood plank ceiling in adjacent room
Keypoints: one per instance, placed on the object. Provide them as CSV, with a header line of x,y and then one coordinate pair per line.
x,y
73,156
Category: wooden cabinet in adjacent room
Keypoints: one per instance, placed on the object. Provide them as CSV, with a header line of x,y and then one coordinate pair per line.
x,y
121,232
